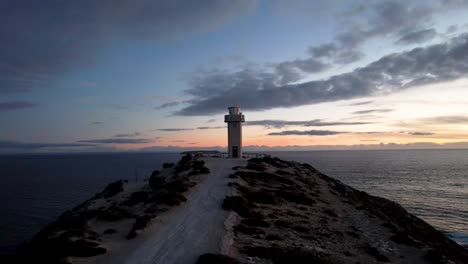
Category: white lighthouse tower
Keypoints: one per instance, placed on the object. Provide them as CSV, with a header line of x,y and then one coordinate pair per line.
x,y
234,120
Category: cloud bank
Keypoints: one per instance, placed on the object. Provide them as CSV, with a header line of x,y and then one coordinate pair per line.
x,y
14,145
305,133
118,141
257,90
43,40
306,123
16,105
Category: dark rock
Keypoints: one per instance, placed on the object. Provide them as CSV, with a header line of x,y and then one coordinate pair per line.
x,y
353,234
73,233
262,196
168,198
300,229
403,238
283,172
137,197
156,181
178,186
434,257
255,222
109,231
295,197
240,206
113,213
140,223
256,167
216,259
389,226
330,213
248,230
372,251
167,165
281,255
309,167
184,163
84,248
273,237
282,224
112,189
234,203
70,220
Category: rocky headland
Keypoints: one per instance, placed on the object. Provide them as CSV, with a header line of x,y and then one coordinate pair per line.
x,y
214,210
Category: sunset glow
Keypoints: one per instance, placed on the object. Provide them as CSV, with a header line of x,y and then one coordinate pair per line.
x,y
384,74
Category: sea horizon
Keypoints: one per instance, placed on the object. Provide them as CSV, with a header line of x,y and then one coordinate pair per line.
x,y
385,174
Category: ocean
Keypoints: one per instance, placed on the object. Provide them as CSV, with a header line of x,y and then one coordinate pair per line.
x,y
36,189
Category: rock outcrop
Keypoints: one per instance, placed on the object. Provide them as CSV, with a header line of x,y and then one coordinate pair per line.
x,y
84,230
280,212
291,213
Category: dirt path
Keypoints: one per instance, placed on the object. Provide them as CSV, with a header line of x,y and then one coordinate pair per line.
x,y
197,227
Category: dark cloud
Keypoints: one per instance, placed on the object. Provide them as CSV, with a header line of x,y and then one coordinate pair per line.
x,y
258,148
452,29
306,123
211,120
14,145
167,105
420,133
403,20
258,91
210,127
42,40
118,141
173,129
307,133
324,50
135,134
361,103
372,111
417,37
446,120
97,123
16,105
291,71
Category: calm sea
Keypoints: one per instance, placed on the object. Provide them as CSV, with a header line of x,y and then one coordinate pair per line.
x,y
35,189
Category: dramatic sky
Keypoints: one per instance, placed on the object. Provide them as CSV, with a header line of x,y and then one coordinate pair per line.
x,y
126,75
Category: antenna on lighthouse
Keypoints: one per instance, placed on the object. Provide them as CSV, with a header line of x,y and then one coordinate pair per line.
x,y
234,120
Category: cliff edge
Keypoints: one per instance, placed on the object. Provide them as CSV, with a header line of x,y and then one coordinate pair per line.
x,y
213,210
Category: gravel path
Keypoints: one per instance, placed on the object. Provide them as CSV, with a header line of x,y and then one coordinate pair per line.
x,y
197,227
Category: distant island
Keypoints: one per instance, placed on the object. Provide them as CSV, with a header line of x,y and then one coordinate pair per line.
x,y
217,210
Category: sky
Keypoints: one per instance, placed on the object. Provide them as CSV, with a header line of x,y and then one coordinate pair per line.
x,y
146,75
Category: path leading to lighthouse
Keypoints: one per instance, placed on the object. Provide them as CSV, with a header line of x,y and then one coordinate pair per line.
x,y
196,228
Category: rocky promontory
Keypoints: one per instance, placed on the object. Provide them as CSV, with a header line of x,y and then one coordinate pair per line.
x,y
289,212
215,210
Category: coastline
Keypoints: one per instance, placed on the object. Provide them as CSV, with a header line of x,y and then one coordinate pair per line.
x,y
230,242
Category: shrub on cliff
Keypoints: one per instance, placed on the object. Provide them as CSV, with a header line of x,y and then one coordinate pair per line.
x,y
168,165
216,259
140,223
156,181
137,197
112,189
184,163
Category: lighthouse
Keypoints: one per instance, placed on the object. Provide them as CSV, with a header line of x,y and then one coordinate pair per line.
x,y
234,120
